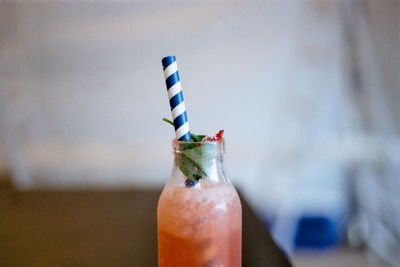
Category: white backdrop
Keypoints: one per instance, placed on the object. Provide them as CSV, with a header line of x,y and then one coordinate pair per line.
x,y
91,92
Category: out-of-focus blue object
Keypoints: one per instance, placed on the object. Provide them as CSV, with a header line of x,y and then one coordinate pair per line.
x,y
313,211
316,232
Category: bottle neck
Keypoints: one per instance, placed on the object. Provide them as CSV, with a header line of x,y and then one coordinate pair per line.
x,y
198,162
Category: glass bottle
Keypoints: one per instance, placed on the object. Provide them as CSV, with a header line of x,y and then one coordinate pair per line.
x,y
199,215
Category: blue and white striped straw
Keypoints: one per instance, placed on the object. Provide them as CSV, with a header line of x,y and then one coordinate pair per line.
x,y
176,101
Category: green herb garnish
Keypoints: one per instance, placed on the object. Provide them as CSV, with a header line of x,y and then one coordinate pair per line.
x,y
194,159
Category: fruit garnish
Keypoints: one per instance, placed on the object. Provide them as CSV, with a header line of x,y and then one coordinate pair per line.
x,y
190,182
217,138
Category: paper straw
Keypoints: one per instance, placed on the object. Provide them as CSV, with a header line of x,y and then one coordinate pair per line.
x,y
176,101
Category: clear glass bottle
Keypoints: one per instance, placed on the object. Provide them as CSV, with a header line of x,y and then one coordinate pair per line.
x,y
199,222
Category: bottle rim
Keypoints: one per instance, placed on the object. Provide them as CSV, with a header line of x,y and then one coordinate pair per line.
x,y
219,144
176,142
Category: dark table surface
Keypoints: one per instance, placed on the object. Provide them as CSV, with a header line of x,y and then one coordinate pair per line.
x,y
107,228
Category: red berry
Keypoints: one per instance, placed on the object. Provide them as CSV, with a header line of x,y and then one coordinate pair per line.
x,y
190,183
217,137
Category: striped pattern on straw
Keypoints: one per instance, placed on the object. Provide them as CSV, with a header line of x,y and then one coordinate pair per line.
x,y
176,101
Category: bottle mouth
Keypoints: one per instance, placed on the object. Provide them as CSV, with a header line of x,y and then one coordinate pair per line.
x,y
174,141
183,145
198,160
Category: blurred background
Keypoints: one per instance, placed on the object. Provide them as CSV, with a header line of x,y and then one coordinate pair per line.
x,y
307,92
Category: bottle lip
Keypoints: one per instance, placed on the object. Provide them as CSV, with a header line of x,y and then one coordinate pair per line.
x,y
219,144
176,142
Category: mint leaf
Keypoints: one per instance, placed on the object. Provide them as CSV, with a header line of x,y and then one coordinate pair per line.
x,y
168,121
189,168
194,158
197,138
196,162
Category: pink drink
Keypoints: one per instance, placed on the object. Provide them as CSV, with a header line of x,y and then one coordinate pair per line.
x,y
199,225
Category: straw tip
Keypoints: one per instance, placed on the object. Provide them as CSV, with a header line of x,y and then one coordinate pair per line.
x,y
166,61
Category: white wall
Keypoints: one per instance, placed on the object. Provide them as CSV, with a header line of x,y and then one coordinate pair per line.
x,y
89,90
